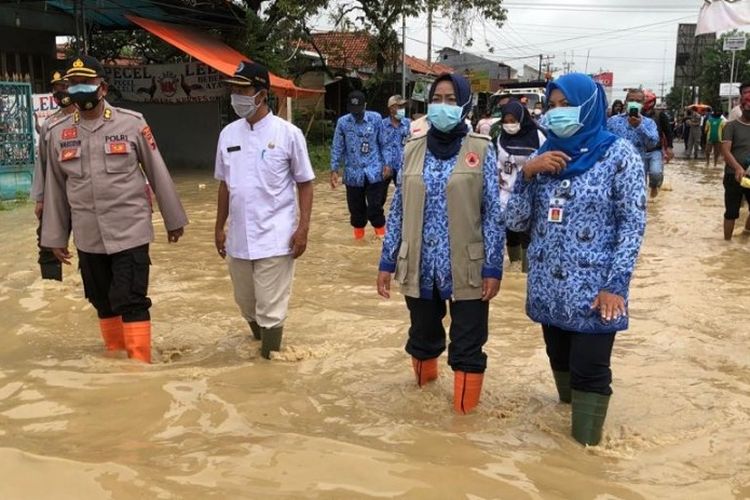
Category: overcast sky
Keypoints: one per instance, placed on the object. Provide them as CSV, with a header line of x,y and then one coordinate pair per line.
x,y
635,39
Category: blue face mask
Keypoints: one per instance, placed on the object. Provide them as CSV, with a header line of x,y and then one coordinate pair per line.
x,y
444,117
400,113
82,88
565,122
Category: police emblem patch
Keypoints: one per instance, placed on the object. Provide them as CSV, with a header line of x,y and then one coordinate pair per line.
x,y
78,63
117,148
68,154
69,133
149,136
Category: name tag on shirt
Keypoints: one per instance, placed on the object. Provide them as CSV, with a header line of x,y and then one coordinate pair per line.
x,y
232,149
365,148
556,210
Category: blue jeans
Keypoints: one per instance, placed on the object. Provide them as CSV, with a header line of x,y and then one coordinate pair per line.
x,y
654,164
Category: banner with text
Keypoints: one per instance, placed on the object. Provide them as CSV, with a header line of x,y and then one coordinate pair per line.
x,y
165,83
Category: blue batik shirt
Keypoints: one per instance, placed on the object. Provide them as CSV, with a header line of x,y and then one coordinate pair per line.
x,y
435,264
394,140
644,137
593,247
358,145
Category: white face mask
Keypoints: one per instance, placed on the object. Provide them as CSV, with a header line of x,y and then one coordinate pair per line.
x,y
244,105
512,128
537,112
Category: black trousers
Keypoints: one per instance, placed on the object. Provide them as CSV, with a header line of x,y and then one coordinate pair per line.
x,y
50,267
366,203
468,331
733,195
117,284
585,355
514,239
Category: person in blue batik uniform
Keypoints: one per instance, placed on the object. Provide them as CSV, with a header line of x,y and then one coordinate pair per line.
x,y
445,241
395,133
643,133
357,142
581,196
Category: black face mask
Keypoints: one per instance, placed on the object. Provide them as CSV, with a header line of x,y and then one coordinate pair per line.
x,y
62,98
86,100
359,115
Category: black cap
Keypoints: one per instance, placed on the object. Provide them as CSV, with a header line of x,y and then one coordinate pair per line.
x,y
85,66
355,102
250,74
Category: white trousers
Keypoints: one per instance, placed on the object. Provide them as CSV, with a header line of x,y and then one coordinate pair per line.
x,y
262,288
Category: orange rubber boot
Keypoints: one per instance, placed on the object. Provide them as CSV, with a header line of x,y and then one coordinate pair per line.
x,y
112,333
138,340
466,390
359,233
425,370
380,232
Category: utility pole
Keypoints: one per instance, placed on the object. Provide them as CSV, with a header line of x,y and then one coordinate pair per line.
x,y
429,32
548,66
540,67
662,88
403,54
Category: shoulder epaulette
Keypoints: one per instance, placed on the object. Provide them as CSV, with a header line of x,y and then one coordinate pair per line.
x,y
130,112
54,121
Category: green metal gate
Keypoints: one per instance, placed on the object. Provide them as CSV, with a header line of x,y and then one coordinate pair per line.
x,y
16,140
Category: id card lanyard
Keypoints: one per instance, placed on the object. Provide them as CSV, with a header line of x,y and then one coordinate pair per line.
x,y
556,212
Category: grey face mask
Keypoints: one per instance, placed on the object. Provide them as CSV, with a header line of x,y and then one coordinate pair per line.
x,y
244,105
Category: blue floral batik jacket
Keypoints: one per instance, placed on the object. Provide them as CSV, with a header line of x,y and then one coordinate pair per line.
x,y
590,246
435,263
358,145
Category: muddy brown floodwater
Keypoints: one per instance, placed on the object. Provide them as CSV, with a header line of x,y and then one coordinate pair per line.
x,y
337,413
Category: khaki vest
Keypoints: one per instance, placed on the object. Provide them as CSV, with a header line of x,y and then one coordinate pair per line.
x,y
464,192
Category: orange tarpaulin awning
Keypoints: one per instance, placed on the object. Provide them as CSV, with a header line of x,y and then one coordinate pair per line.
x,y
213,52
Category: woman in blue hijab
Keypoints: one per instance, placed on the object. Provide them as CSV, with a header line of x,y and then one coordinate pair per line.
x,y
581,197
445,242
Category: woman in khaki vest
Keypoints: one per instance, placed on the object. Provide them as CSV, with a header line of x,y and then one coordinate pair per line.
x,y
445,241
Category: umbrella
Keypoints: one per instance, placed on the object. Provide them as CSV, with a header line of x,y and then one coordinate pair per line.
x,y
700,108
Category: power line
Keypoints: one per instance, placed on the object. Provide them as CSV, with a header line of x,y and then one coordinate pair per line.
x,y
598,8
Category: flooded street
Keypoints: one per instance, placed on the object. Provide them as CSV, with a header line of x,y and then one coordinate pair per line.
x,y
337,413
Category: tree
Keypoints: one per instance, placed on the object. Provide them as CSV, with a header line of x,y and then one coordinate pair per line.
x,y
380,19
131,44
717,69
272,32
675,100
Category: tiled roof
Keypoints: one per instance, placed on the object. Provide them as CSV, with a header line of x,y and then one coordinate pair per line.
x,y
417,65
344,50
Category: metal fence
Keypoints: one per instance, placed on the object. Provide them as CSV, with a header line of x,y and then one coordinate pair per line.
x,y
16,140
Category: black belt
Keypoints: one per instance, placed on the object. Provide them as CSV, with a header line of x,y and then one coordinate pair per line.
x,y
658,148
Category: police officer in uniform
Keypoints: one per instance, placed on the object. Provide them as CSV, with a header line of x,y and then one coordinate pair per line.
x,y
51,267
95,186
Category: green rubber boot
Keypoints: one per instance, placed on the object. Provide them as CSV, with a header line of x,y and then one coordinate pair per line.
x,y
514,253
524,260
562,382
255,328
270,340
589,412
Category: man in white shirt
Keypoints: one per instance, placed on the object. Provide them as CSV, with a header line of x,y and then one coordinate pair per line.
x,y
259,160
